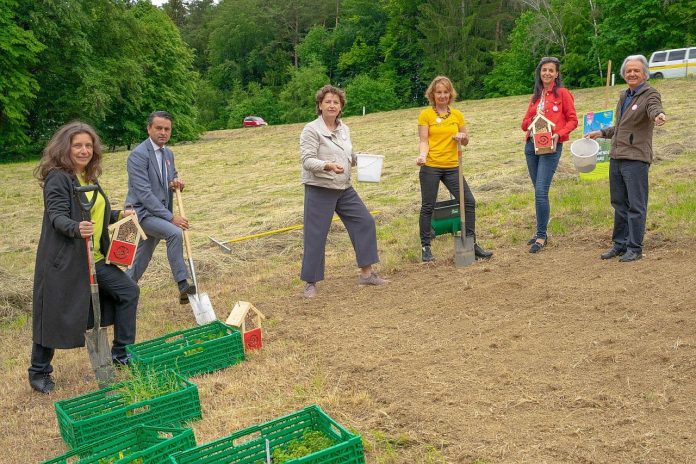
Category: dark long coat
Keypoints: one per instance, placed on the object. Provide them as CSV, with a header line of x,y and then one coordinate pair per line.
x,y
61,298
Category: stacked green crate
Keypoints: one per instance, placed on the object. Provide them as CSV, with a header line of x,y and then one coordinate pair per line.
x,y
171,401
197,350
248,446
141,444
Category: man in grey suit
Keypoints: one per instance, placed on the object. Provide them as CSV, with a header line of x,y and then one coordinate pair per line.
x,y
152,179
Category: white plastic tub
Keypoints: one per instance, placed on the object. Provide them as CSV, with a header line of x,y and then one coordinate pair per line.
x,y
369,167
584,154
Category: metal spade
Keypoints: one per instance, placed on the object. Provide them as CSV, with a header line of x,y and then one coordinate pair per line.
x,y
200,302
96,338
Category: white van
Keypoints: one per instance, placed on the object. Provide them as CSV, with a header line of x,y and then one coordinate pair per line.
x,y
679,62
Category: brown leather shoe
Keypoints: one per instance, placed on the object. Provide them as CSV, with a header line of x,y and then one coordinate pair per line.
x,y
185,291
373,279
310,290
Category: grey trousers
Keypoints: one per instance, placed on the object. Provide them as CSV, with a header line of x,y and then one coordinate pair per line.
x,y
158,229
319,206
628,187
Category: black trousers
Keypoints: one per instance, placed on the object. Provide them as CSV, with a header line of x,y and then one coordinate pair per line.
x,y
628,187
319,206
430,179
125,293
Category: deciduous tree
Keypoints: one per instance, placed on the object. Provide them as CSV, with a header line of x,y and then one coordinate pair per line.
x,y
19,50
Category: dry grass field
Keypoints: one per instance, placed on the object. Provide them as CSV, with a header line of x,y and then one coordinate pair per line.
x,y
551,358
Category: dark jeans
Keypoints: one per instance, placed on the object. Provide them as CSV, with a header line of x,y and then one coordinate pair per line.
x,y
541,170
125,293
430,179
319,206
628,187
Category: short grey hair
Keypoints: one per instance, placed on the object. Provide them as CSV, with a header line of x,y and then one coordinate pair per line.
x,y
643,61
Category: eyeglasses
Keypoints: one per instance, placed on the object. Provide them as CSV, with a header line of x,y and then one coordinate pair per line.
x,y
550,59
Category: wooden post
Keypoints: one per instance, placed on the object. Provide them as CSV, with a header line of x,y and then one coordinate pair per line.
x,y
606,89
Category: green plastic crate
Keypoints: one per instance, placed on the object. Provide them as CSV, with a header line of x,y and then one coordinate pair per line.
x,y
142,444
248,446
197,350
445,218
87,418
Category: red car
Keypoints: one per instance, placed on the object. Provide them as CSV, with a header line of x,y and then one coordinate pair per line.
x,y
254,121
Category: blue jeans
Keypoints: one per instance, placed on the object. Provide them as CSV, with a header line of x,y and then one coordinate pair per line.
x,y
541,170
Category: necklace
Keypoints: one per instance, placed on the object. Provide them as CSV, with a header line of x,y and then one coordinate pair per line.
x,y
440,117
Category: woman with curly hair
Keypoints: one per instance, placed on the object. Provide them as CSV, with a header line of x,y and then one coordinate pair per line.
x,y
61,295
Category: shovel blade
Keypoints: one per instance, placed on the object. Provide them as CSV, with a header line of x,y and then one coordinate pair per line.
x,y
100,355
463,251
202,308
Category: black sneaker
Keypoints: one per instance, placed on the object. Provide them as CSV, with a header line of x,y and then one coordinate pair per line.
x,y
481,253
538,246
122,361
427,254
42,382
613,252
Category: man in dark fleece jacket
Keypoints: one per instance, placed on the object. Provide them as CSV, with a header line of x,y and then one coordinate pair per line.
x,y
638,112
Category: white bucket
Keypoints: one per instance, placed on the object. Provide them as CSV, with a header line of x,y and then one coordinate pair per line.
x,y
584,154
369,167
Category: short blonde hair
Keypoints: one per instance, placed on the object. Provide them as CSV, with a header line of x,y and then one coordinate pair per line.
x,y
444,80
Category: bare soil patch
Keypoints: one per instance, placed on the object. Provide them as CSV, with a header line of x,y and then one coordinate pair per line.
x,y
555,357
559,357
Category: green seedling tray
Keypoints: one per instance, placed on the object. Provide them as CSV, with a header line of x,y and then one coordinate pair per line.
x,y
197,350
142,444
248,446
85,419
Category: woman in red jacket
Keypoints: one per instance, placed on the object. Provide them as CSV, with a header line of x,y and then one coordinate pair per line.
x,y
555,103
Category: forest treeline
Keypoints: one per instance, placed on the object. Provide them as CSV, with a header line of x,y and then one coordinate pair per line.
x,y
111,62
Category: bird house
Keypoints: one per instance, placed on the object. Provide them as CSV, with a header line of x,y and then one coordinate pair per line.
x,y
125,236
542,135
247,319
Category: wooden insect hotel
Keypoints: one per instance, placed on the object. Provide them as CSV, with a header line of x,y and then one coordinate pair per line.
x,y
125,236
542,135
247,319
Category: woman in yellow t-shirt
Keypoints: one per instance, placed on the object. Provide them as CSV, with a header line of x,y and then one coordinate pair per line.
x,y
440,128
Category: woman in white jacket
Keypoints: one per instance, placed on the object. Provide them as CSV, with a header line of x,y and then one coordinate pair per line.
x,y
327,156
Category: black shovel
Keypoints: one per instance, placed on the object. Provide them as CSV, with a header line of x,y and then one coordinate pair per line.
x,y
96,338
463,244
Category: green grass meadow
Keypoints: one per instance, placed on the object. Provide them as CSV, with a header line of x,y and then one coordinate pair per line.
x,y
246,181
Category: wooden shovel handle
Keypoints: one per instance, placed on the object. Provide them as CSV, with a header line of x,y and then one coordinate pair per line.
x,y
180,203
462,219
